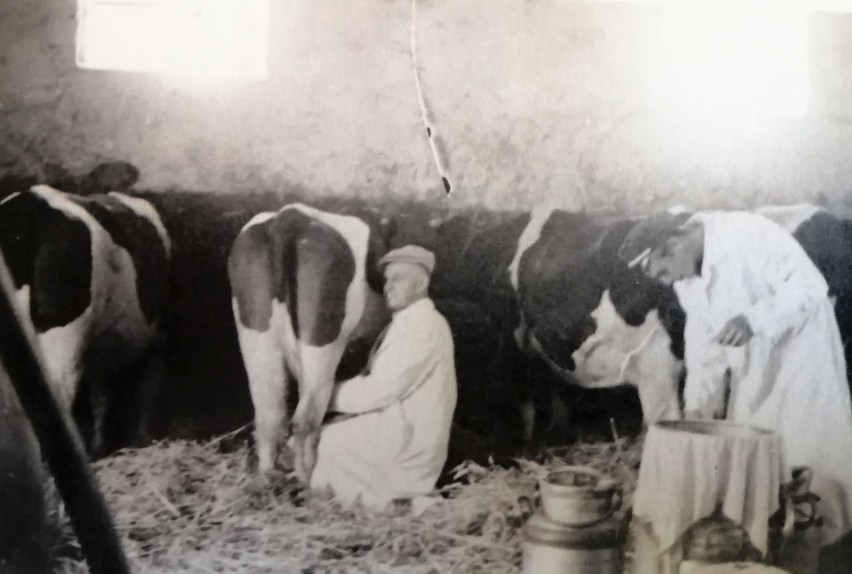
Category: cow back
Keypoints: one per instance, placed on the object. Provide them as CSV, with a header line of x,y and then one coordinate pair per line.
x,y
142,236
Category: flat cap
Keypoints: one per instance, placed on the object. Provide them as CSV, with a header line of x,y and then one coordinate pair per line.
x,y
413,254
648,234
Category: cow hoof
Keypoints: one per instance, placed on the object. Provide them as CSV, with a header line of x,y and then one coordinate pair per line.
x,y
304,447
265,481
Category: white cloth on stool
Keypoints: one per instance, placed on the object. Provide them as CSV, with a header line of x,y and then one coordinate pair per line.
x,y
791,376
684,476
397,444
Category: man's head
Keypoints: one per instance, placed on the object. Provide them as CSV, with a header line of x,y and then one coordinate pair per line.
x,y
407,271
676,257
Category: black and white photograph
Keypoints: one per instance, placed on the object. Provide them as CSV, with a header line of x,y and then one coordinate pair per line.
x,y
425,286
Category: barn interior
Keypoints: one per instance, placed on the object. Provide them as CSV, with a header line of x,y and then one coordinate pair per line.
x,y
594,106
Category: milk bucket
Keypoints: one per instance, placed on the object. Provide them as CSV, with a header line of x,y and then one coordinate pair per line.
x,y
578,496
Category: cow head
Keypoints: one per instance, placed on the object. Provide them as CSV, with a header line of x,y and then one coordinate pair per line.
x,y
110,176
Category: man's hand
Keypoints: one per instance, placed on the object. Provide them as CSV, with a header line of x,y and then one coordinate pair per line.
x,y
736,332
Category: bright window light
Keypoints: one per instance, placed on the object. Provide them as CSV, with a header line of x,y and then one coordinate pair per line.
x,y
732,62
222,39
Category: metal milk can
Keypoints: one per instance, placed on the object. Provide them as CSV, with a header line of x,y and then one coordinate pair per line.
x,y
797,542
574,531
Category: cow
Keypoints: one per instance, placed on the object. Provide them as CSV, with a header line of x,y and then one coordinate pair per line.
x,y
598,323
595,322
305,291
91,275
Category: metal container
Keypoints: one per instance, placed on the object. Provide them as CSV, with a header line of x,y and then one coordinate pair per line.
x,y
801,533
578,496
730,568
553,548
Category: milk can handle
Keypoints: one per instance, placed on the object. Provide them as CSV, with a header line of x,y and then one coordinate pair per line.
x,y
801,495
615,504
530,502
810,501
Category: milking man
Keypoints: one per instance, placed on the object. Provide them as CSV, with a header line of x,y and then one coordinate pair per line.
x,y
394,443
762,343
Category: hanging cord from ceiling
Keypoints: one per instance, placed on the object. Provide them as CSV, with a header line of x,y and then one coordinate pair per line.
x,y
435,140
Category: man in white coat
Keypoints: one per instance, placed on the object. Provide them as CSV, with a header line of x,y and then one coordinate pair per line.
x,y
761,333
395,445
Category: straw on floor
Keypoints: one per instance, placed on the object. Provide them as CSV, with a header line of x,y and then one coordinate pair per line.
x,y
183,507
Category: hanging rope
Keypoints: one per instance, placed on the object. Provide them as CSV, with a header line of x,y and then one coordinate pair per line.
x,y
435,141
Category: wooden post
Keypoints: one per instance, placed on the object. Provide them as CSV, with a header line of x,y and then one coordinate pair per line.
x,y
60,444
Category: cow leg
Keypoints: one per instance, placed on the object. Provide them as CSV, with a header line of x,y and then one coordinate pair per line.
x,y
535,393
315,388
518,364
98,403
527,408
62,351
147,390
263,357
544,396
559,413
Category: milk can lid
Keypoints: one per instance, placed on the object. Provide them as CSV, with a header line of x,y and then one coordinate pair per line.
x,y
540,529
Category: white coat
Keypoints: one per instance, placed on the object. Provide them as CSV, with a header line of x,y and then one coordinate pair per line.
x,y
397,445
791,376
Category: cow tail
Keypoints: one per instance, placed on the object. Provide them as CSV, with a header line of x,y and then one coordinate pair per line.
x,y
291,254
435,140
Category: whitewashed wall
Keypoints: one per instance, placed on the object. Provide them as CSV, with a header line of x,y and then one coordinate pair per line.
x,y
538,101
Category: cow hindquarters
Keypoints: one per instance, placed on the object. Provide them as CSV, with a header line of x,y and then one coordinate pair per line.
x,y
316,383
263,357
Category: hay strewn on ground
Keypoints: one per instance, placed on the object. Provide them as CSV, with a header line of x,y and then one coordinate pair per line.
x,y
183,507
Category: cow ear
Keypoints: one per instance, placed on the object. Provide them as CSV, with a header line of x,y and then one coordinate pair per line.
x,y
111,176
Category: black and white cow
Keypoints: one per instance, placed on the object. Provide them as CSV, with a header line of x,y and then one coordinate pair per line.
x,y
598,323
91,274
593,320
304,289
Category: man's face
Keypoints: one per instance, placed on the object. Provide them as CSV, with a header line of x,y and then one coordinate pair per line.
x,y
405,283
676,259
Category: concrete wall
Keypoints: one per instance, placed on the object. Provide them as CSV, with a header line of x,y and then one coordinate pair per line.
x,y
538,100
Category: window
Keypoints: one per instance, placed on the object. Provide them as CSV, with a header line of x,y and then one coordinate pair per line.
x,y
189,38
729,61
